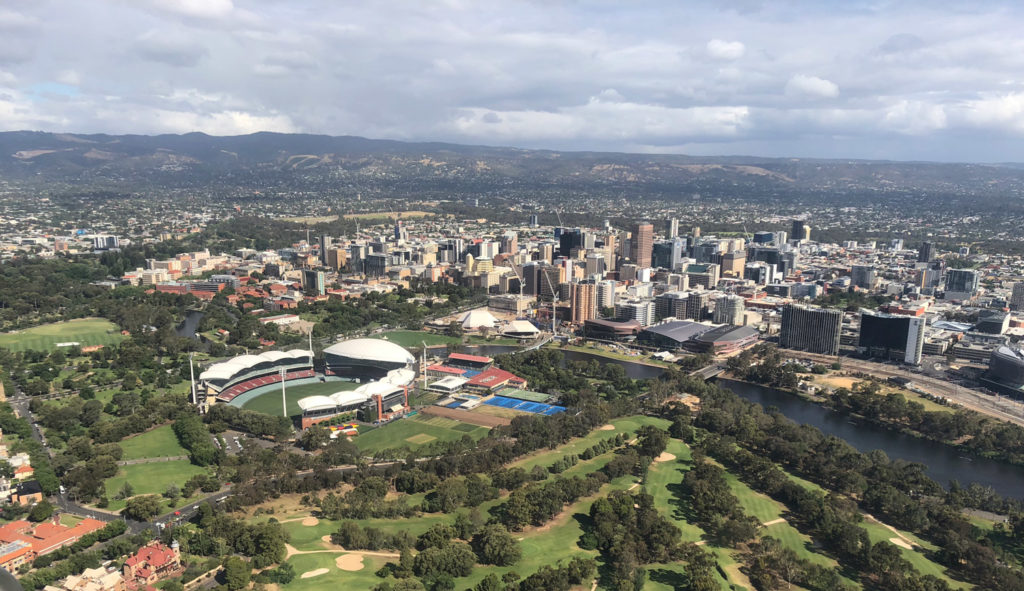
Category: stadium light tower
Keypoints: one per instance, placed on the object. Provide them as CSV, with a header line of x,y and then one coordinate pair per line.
x,y
284,401
192,375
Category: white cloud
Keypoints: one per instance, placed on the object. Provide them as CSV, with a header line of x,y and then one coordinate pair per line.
x,y
802,84
196,8
725,50
998,112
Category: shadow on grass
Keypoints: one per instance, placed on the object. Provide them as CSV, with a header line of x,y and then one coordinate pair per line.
x,y
676,580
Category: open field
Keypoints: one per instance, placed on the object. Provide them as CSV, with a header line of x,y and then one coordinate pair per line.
x,y
334,578
85,331
157,443
388,215
270,402
150,479
414,432
413,339
848,382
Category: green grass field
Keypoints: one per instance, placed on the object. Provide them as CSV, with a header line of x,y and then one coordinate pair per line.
x,y
415,339
158,443
270,402
414,432
85,331
150,479
334,578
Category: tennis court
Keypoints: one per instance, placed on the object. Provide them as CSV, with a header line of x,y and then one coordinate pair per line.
x,y
524,405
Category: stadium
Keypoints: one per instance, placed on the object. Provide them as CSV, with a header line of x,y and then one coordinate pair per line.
x,y
229,379
374,401
365,359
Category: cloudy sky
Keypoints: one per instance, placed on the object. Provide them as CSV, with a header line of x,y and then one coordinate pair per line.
x,y
842,78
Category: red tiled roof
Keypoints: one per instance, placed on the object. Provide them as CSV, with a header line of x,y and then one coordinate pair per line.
x,y
492,377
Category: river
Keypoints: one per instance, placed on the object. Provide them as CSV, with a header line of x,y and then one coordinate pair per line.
x,y
944,462
188,327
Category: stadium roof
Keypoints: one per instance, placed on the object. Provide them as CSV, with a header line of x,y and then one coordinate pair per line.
x,y
316,403
372,388
400,377
231,367
348,398
370,350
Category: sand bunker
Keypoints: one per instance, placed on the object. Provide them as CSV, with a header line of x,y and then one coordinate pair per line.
x,y
350,562
900,543
309,574
665,457
310,521
608,427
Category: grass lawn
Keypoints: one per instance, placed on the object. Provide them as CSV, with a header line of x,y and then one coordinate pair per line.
x,y
663,482
85,331
761,506
611,354
334,578
416,431
158,443
879,533
414,339
270,402
627,425
69,520
150,479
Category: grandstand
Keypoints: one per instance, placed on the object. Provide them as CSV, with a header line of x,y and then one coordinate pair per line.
x,y
374,401
229,379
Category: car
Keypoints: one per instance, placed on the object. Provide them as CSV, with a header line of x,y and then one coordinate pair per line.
x,y
61,488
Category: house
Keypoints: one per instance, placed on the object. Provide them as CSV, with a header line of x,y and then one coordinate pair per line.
x,y
91,579
152,563
23,472
28,492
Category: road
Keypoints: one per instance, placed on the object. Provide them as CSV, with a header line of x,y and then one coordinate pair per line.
x,y
998,407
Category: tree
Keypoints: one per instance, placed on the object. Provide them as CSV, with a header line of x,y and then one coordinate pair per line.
x,y
236,573
126,491
42,511
494,545
314,438
142,508
172,492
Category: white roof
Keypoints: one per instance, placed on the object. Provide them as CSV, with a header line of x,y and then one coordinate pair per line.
x,y
477,318
450,382
373,388
316,403
520,326
370,350
348,398
227,369
400,377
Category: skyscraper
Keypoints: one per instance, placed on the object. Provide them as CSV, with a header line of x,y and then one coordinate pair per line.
x,y
961,284
510,242
672,228
729,310
926,253
815,330
325,243
642,244
1017,298
863,276
799,231
583,301
892,337
605,294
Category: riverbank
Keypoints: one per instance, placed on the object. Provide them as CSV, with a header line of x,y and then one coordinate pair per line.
x,y
638,359
828,403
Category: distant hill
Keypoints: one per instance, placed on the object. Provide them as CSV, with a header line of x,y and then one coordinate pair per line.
x,y
171,159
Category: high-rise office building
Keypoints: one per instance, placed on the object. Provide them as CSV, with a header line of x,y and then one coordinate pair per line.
x,y
337,258
642,244
1017,297
605,294
697,305
672,228
815,330
376,264
314,282
892,336
595,265
325,244
733,263
800,231
926,253
583,301
863,276
729,310
961,284
671,304
569,240
509,243
641,311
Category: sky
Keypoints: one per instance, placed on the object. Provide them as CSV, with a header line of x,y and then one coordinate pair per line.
x,y
840,79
